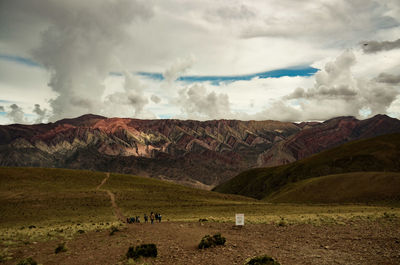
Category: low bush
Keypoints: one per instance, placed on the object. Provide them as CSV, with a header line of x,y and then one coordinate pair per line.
x,y
114,229
262,260
27,261
144,250
212,241
60,248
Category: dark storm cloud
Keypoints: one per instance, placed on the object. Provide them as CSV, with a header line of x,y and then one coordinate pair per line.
x,y
378,46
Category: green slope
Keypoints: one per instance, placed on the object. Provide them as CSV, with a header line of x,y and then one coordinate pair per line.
x,y
358,187
58,196
375,154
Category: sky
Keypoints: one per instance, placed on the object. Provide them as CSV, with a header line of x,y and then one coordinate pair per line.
x,y
281,60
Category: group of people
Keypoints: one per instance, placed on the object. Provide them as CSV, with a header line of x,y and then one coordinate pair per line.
x,y
153,217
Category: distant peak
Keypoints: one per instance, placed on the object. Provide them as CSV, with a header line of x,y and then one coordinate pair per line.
x,y
82,119
90,116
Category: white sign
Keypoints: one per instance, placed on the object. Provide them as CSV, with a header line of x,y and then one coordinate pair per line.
x,y
239,219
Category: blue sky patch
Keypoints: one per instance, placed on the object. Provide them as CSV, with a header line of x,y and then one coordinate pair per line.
x,y
19,59
217,79
214,79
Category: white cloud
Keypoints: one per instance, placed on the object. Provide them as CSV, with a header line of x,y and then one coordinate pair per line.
x,y
16,114
83,41
178,68
198,103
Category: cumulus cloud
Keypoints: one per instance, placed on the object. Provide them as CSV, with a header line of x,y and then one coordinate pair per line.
x,y
334,81
155,99
178,68
16,114
131,97
197,103
378,46
78,49
338,92
41,113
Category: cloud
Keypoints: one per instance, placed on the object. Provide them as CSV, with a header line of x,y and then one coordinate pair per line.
x,y
41,113
378,46
197,103
131,97
334,81
388,78
319,20
16,114
2,109
78,50
338,92
155,99
178,68
230,13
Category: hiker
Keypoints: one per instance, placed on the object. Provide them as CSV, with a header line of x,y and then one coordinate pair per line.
x,y
146,218
156,215
152,217
159,218
137,219
132,220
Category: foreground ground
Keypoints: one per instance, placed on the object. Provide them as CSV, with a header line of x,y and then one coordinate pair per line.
x,y
42,208
353,242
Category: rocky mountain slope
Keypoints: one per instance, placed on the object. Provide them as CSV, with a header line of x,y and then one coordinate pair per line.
x,y
194,153
377,154
326,135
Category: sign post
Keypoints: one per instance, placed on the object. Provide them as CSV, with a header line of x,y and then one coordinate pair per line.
x,y
240,219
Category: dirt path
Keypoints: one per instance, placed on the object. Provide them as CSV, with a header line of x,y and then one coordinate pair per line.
x,y
117,211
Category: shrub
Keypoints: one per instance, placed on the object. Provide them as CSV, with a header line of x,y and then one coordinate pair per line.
x,y
144,250
262,260
27,261
60,248
211,241
114,229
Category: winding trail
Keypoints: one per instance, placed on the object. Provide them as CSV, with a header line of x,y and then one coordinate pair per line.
x,y
117,211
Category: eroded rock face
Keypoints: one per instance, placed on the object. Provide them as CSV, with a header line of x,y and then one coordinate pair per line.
x,y
201,154
186,151
329,134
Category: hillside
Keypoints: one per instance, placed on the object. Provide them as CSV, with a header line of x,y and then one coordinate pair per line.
x,y
45,196
375,154
358,187
201,154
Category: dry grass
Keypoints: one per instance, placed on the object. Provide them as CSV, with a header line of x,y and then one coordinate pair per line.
x,y
60,203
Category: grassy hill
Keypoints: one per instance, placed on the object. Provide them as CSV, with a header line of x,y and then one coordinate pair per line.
x,y
358,187
45,196
379,154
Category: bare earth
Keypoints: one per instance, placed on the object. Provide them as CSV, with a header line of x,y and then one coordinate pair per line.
x,y
356,242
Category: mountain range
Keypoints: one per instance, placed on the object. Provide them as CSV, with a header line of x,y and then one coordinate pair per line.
x,y
194,153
